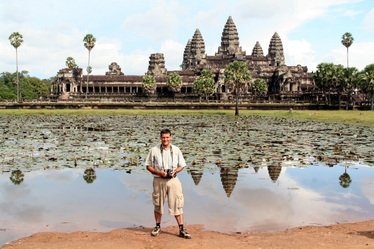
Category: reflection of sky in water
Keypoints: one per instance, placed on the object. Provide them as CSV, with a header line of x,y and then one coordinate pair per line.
x,y
62,201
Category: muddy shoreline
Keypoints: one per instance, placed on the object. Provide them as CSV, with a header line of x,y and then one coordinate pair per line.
x,y
349,235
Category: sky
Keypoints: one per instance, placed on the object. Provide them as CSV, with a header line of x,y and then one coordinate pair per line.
x,y
127,32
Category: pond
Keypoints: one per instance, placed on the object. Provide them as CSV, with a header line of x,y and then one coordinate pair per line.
x,y
76,172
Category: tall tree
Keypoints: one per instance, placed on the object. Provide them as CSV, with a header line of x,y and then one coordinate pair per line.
x,y
17,177
237,77
16,40
345,179
350,82
347,40
204,85
330,77
149,83
89,43
337,81
367,83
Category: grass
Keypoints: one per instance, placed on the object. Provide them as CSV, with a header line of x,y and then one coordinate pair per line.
x,y
351,117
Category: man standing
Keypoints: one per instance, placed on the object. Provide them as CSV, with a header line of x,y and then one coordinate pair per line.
x,y
165,161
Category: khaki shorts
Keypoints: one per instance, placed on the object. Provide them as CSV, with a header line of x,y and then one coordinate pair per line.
x,y
170,188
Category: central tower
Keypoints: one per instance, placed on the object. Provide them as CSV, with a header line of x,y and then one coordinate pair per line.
x,y
230,41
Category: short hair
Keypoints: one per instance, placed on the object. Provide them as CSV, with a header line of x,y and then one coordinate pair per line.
x,y
165,131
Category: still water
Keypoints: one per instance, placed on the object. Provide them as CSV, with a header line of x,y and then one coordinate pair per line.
x,y
86,172
220,199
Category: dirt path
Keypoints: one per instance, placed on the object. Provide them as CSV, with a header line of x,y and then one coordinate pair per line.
x,y
350,236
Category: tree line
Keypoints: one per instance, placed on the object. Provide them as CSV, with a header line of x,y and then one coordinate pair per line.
x,y
20,86
335,79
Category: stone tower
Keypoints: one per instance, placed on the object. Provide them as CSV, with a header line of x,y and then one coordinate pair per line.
x,y
257,50
275,53
230,40
114,69
156,65
197,55
186,55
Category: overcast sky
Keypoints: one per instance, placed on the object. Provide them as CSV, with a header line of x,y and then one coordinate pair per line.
x,y
127,32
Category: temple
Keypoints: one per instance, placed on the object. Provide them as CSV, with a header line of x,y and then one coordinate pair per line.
x,y
281,79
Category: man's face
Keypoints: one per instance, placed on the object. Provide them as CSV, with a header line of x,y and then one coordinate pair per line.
x,y
165,139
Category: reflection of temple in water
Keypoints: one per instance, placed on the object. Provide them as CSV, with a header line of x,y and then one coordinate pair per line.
x,y
274,172
229,177
196,175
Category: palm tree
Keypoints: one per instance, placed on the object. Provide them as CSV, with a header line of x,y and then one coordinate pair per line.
x,y
345,179
70,63
89,175
89,43
174,82
16,40
149,83
347,40
17,177
351,79
237,76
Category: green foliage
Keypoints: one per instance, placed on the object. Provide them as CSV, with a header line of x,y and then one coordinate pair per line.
x,y
70,63
149,83
34,88
347,39
16,39
89,41
367,83
204,85
329,77
174,82
367,80
259,87
345,180
237,76
31,87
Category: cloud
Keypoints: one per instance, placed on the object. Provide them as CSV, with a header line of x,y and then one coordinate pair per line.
x,y
361,54
299,52
129,33
369,21
367,187
160,22
173,52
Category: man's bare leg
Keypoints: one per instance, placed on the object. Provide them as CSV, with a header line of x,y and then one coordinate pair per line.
x,y
156,230
157,217
182,232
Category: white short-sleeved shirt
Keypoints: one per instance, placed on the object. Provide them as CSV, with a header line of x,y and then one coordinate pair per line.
x,y
164,160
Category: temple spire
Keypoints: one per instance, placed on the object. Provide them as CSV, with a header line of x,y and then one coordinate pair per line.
x,y
257,50
186,55
197,55
275,52
230,40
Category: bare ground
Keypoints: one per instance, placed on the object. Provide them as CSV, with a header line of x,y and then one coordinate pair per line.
x,y
353,236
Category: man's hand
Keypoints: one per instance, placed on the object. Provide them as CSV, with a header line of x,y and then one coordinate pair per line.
x,y
163,174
